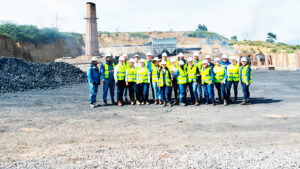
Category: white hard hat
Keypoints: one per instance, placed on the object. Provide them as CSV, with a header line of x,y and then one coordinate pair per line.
x,y
217,59
164,54
207,57
204,62
122,58
94,58
180,55
136,55
108,54
181,62
173,60
131,60
156,59
163,62
232,58
142,60
224,56
196,54
125,55
149,54
244,59
190,59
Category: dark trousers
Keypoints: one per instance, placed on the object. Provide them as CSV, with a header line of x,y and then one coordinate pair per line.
x,y
221,90
120,90
142,91
131,88
235,88
174,88
246,91
152,89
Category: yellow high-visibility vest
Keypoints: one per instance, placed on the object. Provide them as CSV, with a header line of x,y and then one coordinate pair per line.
x,y
121,73
181,79
233,73
219,72
244,74
192,74
106,70
205,75
167,79
131,77
142,75
155,73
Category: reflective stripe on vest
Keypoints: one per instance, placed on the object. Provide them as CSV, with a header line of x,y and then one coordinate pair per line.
x,y
192,74
244,74
106,70
121,73
219,73
181,79
143,75
205,75
233,73
155,73
131,77
167,79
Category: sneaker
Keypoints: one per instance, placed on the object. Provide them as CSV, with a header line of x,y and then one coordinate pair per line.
x,y
225,103
92,105
120,103
169,104
155,102
132,102
142,103
196,103
182,104
243,102
164,104
138,103
176,102
97,105
160,102
248,101
147,103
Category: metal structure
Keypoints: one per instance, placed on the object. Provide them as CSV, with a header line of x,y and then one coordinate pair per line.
x,y
164,45
92,44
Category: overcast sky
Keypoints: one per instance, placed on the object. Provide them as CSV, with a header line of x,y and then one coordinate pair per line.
x,y
248,19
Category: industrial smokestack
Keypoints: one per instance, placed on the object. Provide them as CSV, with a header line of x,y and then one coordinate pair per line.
x,y
92,44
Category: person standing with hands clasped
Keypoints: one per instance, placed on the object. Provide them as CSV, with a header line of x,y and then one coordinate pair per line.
x,y
207,78
220,80
165,84
93,75
246,79
130,79
119,74
232,78
142,81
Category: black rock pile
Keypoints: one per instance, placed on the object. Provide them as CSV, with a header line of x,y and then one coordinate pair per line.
x,y
18,75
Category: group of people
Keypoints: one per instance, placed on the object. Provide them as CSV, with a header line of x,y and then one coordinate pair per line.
x,y
166,77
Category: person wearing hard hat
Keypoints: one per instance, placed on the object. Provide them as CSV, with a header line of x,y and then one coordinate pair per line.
x,y
149,65
181,81
246,80
142,81
225,62
154,76
165,83
107,76
165,58
130,79
93,75
192,75
119,74
126,64
232,78
181,57
209,63
220,80
136,61
198,63
207,79
174,69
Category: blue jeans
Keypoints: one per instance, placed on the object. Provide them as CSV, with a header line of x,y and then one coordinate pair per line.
x,y
235,88
165,93
156,91
246,91
193,91
111,85
142,89
208,92
199,89
125,92
182,88
221,90
93,93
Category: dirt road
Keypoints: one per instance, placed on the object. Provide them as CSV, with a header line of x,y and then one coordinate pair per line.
x,y
57,129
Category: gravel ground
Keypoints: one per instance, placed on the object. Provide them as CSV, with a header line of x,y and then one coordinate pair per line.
x,y
55,128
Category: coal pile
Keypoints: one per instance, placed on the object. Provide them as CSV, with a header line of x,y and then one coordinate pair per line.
x,y
18,75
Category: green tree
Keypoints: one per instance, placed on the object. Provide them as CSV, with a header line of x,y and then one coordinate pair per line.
x,y
234,38
271,37
201,28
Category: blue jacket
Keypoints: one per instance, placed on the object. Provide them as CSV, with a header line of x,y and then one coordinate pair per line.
x,y
247,73
93,74
111,71
225,63
149,65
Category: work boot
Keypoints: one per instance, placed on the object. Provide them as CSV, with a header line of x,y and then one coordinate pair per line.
x,y
105,102
126,100
221,101
169,104
243,102
182,104
120,103
196,103
160,102
113,102
132,102
92,105
155,102
142,103
138,103
147,103
235,99
225,103
164,104
176,102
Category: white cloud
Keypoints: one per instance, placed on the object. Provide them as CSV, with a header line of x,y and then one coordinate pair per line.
x,y
227,17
